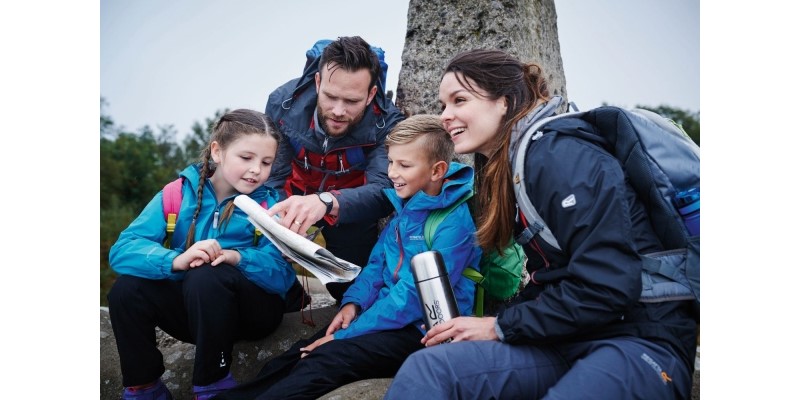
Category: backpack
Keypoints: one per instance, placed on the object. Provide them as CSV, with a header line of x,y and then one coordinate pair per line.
x,y
171,198
499,275
661,162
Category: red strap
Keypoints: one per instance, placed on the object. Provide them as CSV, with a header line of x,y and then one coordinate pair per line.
x,y
172,196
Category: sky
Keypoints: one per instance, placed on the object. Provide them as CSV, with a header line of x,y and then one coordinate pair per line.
x,y
178,62
54,69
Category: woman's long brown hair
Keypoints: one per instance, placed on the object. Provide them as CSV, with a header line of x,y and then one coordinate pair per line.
x,y
498,74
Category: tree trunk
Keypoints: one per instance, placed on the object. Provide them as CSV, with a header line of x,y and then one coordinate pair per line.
x,y
439,29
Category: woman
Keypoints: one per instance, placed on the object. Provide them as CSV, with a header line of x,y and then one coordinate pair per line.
x,y
584,334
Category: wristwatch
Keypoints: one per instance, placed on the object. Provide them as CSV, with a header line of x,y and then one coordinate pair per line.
x,y
327,199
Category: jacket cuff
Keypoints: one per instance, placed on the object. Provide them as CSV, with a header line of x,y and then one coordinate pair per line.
x,y
498,331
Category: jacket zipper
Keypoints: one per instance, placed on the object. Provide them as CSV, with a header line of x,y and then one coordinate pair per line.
x,y
400,245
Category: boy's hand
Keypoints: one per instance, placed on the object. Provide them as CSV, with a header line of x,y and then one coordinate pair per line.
x,y
312,346
343,319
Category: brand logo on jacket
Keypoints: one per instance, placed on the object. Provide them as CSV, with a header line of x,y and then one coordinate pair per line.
x,y
568,201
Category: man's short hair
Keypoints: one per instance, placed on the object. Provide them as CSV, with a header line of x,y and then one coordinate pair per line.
x,y
351,53
436,142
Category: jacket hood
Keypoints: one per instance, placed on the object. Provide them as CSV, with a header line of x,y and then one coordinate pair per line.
x,y
543,111
458,182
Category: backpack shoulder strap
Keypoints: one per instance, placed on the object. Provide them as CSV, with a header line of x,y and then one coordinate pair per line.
x,y
437,216
431,223
171,197
534,222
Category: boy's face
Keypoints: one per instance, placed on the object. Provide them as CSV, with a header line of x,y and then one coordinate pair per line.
x,y
411,171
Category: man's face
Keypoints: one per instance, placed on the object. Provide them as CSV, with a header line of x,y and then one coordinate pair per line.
x,y
342,98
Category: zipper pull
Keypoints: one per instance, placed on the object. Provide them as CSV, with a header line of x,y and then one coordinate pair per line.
x,y
216,219
325,144
341,163
305,162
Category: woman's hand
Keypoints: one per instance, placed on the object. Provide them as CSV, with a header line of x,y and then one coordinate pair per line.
x,y
317,343
461,328
343,319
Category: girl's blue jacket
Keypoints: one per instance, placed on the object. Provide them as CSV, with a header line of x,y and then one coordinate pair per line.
x,y
385,288
139,250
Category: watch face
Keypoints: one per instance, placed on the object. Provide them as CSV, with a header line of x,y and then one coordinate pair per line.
x,y
326,197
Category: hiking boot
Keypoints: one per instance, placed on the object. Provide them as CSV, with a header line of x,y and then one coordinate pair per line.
x,y
156,392
297,298
209,391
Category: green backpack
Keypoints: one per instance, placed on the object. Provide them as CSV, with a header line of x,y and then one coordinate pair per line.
x,y
500,276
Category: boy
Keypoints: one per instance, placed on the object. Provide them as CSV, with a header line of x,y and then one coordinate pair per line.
x,y
380,322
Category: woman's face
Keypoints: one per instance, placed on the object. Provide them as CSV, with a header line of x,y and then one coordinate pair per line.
x,y
472,119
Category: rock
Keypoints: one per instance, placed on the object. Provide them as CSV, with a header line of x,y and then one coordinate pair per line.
x,y
367,389
249,356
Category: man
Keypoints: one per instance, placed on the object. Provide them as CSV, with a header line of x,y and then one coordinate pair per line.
x,y
331,160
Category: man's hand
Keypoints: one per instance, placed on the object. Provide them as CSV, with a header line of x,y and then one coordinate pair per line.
x,y
461,328
343,319
298,213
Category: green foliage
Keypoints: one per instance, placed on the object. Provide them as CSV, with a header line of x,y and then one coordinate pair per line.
x,y
690,121
133,168
112,221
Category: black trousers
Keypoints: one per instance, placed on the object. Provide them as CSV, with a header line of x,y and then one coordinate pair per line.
x,y
213,307
334,364
350,242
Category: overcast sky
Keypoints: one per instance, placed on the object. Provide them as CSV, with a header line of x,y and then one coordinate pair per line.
x,y
178,62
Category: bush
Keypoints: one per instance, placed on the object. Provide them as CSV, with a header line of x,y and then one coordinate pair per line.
x,y
112,221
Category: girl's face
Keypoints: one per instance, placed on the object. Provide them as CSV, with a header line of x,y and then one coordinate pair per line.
x,y
473,120
244,166
411,171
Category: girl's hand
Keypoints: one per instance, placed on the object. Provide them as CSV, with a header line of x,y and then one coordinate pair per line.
x,y
231,257
198,254
317,343
343,319
461,328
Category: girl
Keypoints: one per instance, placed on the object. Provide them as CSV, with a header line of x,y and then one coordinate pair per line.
x,y
586,335
219,282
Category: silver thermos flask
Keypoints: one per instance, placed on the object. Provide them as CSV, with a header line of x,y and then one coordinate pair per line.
x,y
433,285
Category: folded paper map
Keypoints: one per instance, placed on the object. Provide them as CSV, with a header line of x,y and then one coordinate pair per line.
x,y
311,256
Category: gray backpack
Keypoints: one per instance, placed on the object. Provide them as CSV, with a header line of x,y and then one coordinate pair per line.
x,y
661,162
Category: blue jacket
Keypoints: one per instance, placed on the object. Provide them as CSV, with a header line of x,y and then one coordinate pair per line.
x,y
139,250
292,107
389,303
590,290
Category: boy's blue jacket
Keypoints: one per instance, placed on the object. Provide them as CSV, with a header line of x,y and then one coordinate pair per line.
x,y
139,250
385,288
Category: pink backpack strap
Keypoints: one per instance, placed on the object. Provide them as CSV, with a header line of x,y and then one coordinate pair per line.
x,y
172,196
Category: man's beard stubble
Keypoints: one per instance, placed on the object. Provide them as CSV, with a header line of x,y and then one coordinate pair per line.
x,y
350,125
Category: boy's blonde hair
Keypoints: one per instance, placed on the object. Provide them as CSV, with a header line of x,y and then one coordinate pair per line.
x,y
435,141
